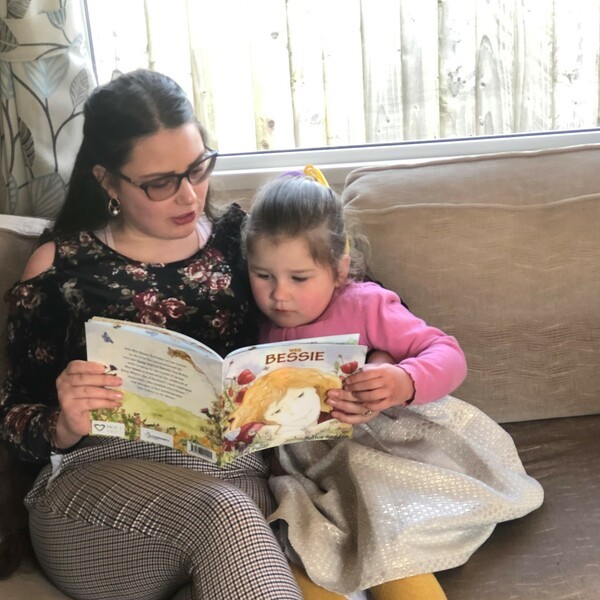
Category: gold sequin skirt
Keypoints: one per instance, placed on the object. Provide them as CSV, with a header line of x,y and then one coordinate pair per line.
x,y
416,490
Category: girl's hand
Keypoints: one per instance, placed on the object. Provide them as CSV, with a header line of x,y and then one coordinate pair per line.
x,y
82,387
372,390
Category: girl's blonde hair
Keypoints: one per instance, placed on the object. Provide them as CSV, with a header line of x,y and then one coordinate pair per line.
x,y
294,205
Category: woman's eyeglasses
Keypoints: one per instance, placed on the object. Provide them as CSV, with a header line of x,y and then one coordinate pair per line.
x,y
164,187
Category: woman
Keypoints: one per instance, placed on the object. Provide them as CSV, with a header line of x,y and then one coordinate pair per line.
x,y
138,240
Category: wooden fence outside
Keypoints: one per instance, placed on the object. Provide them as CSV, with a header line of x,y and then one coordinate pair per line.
x,y
280,74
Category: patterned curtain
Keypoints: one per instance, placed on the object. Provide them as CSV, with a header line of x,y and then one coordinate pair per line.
x,y
45,76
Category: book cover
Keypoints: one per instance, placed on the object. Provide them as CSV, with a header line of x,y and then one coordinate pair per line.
x,y
179,393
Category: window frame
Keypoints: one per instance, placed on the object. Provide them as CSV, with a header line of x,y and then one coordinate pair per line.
x,y
246,171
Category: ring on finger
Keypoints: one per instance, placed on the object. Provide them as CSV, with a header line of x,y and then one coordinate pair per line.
x,y
368,412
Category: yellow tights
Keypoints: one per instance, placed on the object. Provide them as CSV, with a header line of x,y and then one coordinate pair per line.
x,y
418,587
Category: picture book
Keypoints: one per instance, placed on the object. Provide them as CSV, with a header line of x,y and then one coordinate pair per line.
x,y
180,393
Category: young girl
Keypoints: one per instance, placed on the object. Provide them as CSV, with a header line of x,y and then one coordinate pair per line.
x,y
415,489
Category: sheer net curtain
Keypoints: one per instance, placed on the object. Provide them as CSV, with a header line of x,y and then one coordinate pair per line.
x,y
45,76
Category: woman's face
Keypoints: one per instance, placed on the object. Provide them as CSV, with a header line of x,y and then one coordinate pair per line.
x,y
167,152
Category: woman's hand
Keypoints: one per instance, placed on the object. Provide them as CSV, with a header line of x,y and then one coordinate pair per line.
x,y
82,387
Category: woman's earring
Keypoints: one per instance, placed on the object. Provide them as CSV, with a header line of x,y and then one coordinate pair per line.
x,y
114,207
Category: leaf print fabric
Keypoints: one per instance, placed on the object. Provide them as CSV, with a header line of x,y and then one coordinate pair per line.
x,y
45,77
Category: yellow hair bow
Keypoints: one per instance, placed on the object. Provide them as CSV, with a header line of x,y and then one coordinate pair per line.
x,y
312,171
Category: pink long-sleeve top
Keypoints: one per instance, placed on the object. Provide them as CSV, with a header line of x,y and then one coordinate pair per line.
x,y
432,358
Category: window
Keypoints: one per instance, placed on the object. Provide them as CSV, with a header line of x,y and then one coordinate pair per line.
x,y
365,80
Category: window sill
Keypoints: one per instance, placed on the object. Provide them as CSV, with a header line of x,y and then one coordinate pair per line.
x,y
248,171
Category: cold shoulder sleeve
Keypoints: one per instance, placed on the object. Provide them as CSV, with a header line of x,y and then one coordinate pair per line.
x,y
37,335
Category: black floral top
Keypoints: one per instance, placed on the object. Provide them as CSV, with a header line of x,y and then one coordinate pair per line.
x,y
206,296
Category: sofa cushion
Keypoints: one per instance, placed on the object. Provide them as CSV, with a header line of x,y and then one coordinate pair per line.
x,y
18,236
517,285
29,582
552,553
516,178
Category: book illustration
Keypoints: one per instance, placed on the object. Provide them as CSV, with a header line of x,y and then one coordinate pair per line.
x,y
180,393
161,387
181,354
287,403
184,356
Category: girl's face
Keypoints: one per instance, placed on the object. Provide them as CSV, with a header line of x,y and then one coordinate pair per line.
x,y
167,152
289,287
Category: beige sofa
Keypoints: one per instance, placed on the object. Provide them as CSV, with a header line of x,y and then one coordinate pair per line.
x,y
503,251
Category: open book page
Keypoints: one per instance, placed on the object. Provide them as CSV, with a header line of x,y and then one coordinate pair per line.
x,y
180,393
171,386
276,394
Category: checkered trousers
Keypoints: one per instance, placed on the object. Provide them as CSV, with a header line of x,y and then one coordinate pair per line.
x,y
132,521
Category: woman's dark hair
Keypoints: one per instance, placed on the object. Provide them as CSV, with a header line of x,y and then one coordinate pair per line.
x,y
116,116
295,205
